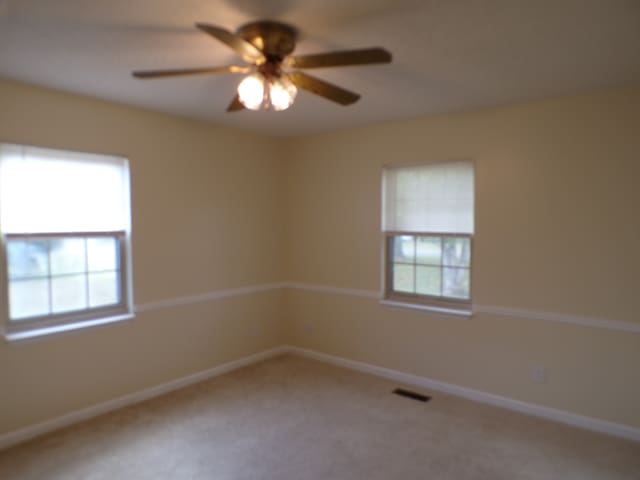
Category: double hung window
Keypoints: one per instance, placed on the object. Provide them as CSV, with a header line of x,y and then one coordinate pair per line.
x,y
65,225
428,226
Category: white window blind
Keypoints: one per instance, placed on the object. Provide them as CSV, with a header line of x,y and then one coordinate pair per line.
x,y
430,198
52,191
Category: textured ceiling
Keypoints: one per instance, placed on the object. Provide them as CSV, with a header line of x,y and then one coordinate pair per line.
x,y
449,55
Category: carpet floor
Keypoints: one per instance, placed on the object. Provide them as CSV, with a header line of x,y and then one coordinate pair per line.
x,y
293,418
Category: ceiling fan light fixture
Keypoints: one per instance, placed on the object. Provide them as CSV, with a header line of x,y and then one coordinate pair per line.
x,y
261,92
274,76
251,91
282,93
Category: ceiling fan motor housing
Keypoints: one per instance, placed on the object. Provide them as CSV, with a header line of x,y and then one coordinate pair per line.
x,y
276,40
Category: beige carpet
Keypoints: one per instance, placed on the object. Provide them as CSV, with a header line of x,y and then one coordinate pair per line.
x,y
291,418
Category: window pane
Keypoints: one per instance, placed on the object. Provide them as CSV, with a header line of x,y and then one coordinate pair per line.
x,y
428,280
103,254
27,258
455,282
67,255
429,250
104,289
28,298
457,252
404,249
403,278
68,293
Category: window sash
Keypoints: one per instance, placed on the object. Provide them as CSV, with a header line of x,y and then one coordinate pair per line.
x,y
88,313
420,298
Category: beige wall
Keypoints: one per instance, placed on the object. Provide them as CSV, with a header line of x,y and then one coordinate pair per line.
x,y
206,208
557,230
213,208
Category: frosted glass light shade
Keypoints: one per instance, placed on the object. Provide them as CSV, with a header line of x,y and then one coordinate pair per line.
x,y
251,91
282,93
257,92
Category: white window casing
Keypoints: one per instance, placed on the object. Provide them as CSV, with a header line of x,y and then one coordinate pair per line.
x,y
65,224
428,225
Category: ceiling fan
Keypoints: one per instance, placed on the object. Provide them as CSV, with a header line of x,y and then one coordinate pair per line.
x,y
272,78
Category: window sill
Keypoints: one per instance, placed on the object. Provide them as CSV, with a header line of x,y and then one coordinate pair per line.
x,y
460,313
37,332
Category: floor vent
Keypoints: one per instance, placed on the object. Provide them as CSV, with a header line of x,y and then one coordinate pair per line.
x,y
409,394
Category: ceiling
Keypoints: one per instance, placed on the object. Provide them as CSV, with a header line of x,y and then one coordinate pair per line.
x,y
449,55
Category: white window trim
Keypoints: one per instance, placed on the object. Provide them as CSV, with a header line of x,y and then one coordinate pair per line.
x,y
56,323
12,333
455,308
453,312
435,303
35,333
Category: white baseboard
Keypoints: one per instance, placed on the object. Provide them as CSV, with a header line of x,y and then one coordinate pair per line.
x,y
588,423
27,433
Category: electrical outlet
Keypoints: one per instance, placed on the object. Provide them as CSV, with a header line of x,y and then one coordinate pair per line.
x,y
538,374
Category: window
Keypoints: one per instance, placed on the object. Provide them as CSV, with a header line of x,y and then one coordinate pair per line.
x,y
428,232
65,225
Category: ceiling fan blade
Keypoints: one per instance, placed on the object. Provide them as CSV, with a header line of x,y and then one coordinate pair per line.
x,y
235,105
189,71
341,58
322,88
246,50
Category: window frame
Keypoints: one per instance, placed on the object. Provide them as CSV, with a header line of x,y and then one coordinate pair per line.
x,y
456,307
420,299
77,317
26,329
